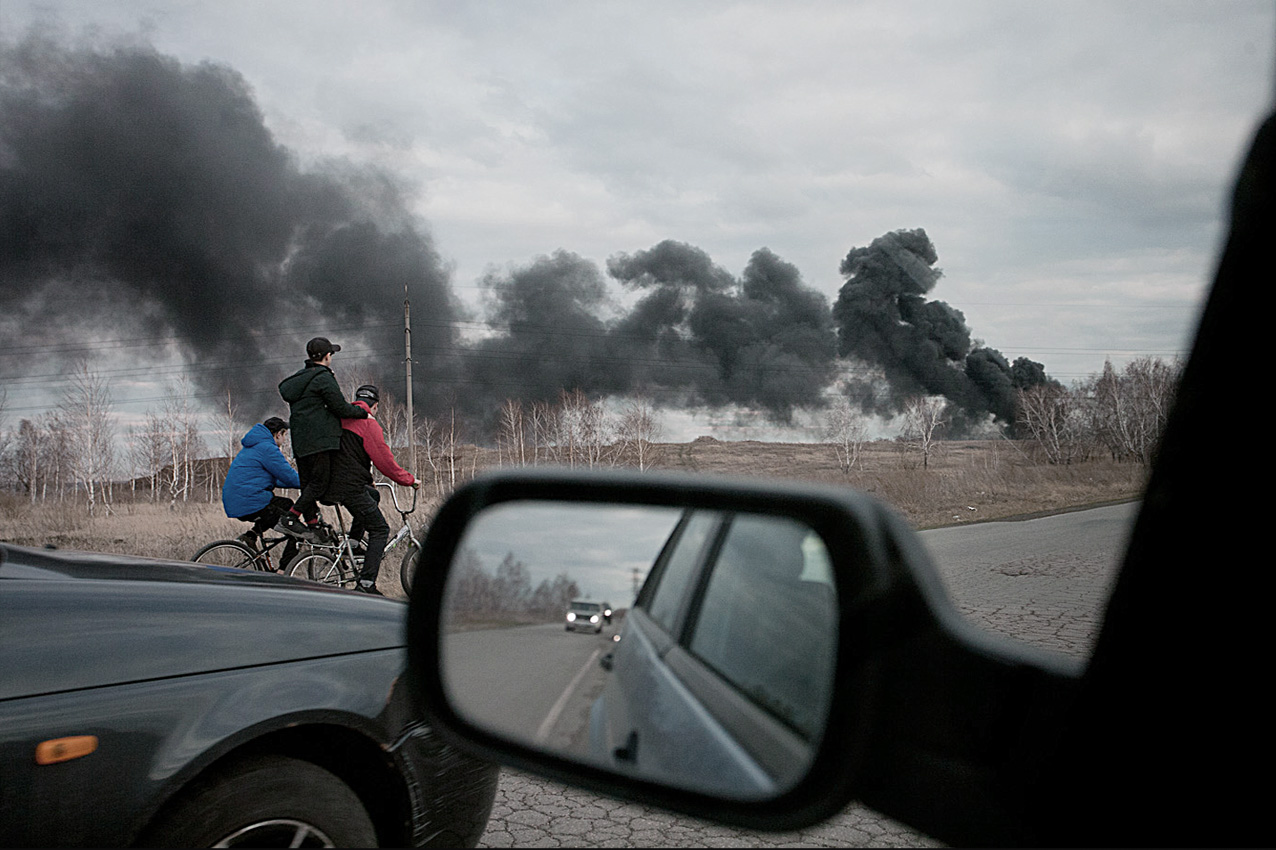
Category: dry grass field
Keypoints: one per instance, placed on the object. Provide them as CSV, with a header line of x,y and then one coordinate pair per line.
x,y
964,482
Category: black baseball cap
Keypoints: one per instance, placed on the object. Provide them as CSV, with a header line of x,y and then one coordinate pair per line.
x,y
319,346
367,393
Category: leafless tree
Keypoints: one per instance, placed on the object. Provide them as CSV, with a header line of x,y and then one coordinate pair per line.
x,y
512,437
6,438
149,450
438,441
846,429
184,444
545,428
636,433
86,412
924,418
1057,419
30,452
393,417
585,430
1131,407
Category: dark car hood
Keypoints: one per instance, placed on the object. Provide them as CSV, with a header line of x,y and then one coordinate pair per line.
x,y
71,620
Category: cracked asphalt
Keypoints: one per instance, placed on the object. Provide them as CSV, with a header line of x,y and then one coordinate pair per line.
x,y
1043,581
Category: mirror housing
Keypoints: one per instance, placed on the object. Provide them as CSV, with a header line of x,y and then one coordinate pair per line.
x,y
924,706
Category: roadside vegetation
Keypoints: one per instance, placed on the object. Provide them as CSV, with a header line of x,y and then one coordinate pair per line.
x,y
1070,447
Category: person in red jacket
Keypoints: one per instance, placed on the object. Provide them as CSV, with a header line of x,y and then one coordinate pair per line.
x,y
363,446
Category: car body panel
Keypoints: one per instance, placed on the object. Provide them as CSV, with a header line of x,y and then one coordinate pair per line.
x,y
647,716
175,667
164,604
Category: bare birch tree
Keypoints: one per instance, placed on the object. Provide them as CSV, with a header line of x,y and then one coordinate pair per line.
x,y
544,427
1057,421
846,429
1132,407
184,444
924,417
636,433
86,411
511,437
30,455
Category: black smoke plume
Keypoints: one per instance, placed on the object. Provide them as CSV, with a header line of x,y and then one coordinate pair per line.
x,y
144,199
922,347
140,197
696,336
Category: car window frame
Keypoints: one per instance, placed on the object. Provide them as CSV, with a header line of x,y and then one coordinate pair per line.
x,y
769,740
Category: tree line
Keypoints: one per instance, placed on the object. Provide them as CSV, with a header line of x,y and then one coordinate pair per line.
x,y
506,591
77,450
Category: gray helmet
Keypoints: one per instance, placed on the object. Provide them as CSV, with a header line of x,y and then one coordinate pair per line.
x,y
368,394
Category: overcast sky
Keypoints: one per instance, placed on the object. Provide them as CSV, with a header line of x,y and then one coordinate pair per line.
x,y
1070,161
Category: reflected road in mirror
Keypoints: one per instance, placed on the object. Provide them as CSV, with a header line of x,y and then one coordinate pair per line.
x,y
512,665
712,671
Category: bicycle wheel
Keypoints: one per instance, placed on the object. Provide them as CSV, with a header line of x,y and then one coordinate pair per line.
x,y
317,566
227,553
407,570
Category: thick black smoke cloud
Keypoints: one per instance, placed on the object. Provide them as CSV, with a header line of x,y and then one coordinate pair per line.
x,y
696,336
921,346
139,196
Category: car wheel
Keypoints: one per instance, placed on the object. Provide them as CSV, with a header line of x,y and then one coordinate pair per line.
x,y
315,566
271,801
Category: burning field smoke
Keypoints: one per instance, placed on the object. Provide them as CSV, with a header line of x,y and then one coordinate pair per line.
x,y
921,346
697,336
143,198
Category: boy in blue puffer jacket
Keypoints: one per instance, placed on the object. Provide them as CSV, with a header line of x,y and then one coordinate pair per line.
x,y
249,491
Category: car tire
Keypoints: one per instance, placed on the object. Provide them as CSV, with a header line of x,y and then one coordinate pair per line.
x,y
268,801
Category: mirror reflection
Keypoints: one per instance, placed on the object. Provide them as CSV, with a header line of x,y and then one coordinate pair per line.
x,y
694,647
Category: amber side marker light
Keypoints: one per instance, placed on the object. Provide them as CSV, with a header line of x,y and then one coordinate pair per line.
x,y
64,749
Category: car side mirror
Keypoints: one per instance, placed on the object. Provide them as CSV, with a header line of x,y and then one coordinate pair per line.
x,y
786,648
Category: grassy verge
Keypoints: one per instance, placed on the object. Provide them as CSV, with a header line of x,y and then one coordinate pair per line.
x,y
962,482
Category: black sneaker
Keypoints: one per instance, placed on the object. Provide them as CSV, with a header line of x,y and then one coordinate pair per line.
x,y
248,539
368,586
290,523
316,532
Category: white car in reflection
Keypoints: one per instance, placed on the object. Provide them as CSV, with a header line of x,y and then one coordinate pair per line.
x,y
584,616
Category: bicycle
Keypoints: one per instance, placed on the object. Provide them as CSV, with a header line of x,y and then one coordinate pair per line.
x,y
247,552
335,561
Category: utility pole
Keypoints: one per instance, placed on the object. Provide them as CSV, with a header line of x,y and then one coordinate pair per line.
x,y
407,360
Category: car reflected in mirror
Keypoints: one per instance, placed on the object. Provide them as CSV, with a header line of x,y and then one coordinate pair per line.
x,y
723,679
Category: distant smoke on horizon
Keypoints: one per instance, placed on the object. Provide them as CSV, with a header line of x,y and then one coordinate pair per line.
x,y
922,347
140,197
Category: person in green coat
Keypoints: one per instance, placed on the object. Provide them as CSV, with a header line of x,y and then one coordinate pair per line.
x,y
316,407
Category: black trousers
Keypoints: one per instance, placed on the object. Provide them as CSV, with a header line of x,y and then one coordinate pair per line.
x,y
365,512
315,472
266,519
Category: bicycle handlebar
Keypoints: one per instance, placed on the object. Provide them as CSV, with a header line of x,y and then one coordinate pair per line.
x,y
394,496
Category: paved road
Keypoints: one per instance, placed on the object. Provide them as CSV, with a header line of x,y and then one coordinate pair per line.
x,y
1043,581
